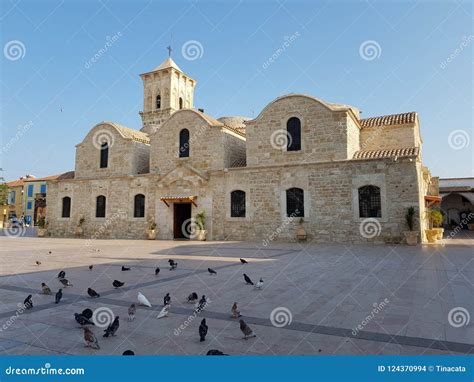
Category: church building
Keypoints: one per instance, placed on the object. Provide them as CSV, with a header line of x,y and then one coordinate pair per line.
x,y
302,165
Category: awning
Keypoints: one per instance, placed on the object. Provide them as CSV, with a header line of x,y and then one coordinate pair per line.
x,y
179,199
431,200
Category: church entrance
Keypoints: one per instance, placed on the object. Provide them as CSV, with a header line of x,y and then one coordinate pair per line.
x,y
182,212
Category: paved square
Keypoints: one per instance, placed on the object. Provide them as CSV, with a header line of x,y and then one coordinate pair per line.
x,y
341,299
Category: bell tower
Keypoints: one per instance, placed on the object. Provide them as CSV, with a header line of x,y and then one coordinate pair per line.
x,y
165,90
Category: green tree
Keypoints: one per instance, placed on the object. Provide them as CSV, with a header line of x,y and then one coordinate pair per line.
x,y
3,190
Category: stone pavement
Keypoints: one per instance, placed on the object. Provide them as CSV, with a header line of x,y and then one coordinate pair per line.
x,y
340,299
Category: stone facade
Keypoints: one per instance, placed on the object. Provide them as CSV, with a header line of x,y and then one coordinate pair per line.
x,y
339,154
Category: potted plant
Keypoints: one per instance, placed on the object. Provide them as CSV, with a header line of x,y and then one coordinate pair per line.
x,y
42,227
151,231
301,234
411,236
431,233
437,219
79,231
200,221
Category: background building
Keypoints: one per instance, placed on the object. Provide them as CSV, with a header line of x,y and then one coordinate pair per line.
x,y
457,200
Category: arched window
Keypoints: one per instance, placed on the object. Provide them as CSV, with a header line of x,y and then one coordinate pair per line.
x,y
237,204
66,208
158,102
293,130
104,155
180,103
139,206
369,202
184,143
294,202
100,207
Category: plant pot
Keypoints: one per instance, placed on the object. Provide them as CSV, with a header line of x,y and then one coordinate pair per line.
x,y
470,227
301,234
439,234
151,234
79,231
201,234
411,237
431,235
41,232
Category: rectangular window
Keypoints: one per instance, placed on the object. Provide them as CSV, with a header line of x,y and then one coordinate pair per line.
x,y
29,205
11,197
43,189
30,190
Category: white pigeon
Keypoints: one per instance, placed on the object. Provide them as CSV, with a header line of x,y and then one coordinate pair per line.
x,y
164,312
259,285
143,300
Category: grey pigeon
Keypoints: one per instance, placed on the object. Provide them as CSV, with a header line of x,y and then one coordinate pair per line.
x,y
91,292
81,320
248,333
157,270
211,271
59,296
125,269
87,313
61,275
167,299
215,352
193,297
247,280
65,282
243,261
203,330
112,328
131,312
117,284
28,303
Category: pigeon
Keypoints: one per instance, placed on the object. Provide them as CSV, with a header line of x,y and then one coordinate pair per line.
x,y
157,270
259,285
211,271
164,312
81,320
247,280
38,263
173,264
92,293
243,261
61,275
90,339
215,352
167,299
203,330
28,303
112,328
65,282
143,300
87,313
192,298
117,284
128,352
131,312
59,296
125,269
235,311
248,333
45,288
91,266
202,303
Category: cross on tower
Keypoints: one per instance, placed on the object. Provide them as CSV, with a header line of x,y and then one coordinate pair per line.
x,y
169,50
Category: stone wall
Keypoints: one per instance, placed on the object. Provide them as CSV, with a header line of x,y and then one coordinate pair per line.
x,y
389,137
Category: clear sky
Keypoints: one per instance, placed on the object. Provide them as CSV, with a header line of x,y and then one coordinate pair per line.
x,y
383,57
